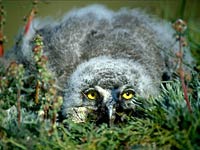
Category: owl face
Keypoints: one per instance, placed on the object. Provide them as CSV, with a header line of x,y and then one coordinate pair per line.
x,y
104,89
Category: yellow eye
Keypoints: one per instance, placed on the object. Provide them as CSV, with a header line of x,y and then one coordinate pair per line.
x,y
128,95
92,95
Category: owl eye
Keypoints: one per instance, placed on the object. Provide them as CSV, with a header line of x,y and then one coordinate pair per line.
x,y
92,94
128,94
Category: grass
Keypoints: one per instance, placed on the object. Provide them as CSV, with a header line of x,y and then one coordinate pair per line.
x,y
166,123
29,104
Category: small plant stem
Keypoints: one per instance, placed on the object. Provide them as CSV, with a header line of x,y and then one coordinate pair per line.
x,y
185,93
30,19
37,92
2,22
181,72
53,119
18,107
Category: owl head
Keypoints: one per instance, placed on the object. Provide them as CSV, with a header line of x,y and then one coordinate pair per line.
x,y
103,89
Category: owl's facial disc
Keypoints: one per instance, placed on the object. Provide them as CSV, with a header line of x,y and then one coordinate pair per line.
x,y
107,87
108,102
104,101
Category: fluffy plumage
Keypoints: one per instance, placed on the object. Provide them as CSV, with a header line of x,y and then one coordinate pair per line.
x,y
108,52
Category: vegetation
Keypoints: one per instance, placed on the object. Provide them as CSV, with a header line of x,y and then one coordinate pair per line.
x,y
166,122
30,102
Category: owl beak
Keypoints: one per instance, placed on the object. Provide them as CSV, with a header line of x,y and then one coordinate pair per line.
x,y
110,112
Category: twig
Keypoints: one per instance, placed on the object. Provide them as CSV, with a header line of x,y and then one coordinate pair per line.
x,y
30,19
180,27
31,16
185,93
2,22
182,75
53,121
37,92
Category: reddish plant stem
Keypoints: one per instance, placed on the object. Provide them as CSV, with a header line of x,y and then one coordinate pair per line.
x,y
37,92
1,32
53,121
185,91
1,49
18,107
30,19
54,118
181,73
54,114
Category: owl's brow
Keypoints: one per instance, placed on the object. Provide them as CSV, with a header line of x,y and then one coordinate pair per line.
x,y
87,89
126,87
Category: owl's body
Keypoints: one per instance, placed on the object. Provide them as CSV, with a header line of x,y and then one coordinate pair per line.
x,y
103,59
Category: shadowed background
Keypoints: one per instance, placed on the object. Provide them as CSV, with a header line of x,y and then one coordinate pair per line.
x,y
170,10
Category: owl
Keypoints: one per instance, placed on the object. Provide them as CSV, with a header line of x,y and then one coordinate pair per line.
x,y
103,59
